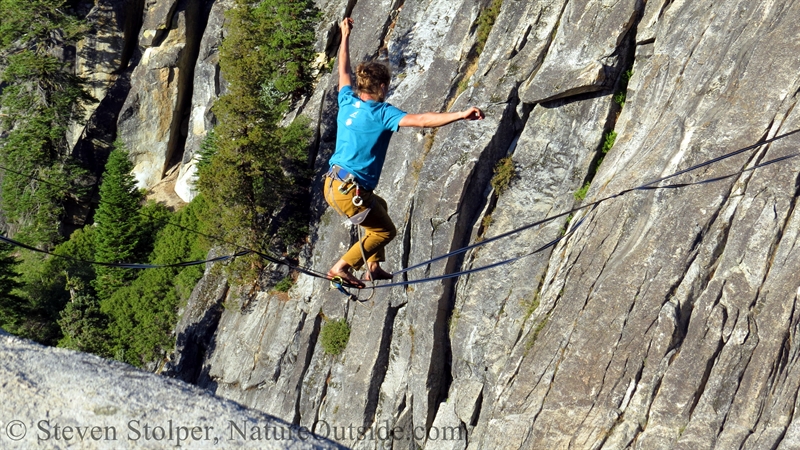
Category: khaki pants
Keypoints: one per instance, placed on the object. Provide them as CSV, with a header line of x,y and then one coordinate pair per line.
x,y
378,226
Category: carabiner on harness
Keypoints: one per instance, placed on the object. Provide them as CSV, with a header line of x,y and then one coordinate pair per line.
x,y
348,183
357,200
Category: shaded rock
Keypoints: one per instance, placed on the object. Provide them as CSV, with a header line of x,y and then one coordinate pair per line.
x,y
98,55
207,87
198,323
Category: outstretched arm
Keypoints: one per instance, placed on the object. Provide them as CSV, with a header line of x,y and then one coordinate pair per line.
x,y
433,119
344,53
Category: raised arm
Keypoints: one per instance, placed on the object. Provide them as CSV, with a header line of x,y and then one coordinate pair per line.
x,y
344,53
433,119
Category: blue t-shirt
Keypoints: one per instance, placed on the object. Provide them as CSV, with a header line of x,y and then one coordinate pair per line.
x,y
363,134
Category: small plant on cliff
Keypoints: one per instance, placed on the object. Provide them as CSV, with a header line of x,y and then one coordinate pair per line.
x,y
621,95
534,333
608,142
285,284
580,194
503,174
334,336
530,306
486,21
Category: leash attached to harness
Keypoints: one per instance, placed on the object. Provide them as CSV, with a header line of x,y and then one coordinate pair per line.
x,y
338,284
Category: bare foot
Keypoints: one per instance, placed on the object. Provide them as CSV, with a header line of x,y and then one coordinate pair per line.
x,y
376,274
342,269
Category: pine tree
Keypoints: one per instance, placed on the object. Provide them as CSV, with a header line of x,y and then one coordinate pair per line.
x,y
39,100
118,223
44,280
33,21
145,312
257,166
12,310
82,323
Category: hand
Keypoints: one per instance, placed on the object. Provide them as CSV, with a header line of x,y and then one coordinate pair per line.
x,y
472,114
346,26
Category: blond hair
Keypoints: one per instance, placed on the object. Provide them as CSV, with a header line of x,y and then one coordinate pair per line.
x,y
369,78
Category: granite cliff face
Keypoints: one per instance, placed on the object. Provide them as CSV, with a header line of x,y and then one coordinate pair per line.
x,y
666,319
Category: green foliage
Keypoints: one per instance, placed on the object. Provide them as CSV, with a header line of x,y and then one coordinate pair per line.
x,y
33,21
265,58
39,100
535,333
143,313
44,286
11,307
487,221
564,229
253,181
580,194
38,104
462,86
153,217
285,284
252,170
208,148
620,96
117,222
503,174
530,306
486,21
334,336
84,326
608,142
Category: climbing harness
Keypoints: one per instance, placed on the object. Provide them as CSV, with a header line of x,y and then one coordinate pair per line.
x,y
348,183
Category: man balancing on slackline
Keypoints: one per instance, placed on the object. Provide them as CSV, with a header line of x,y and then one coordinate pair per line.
x,y
365,126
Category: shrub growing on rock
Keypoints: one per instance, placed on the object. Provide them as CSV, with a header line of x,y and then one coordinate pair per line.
x,y
334,336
